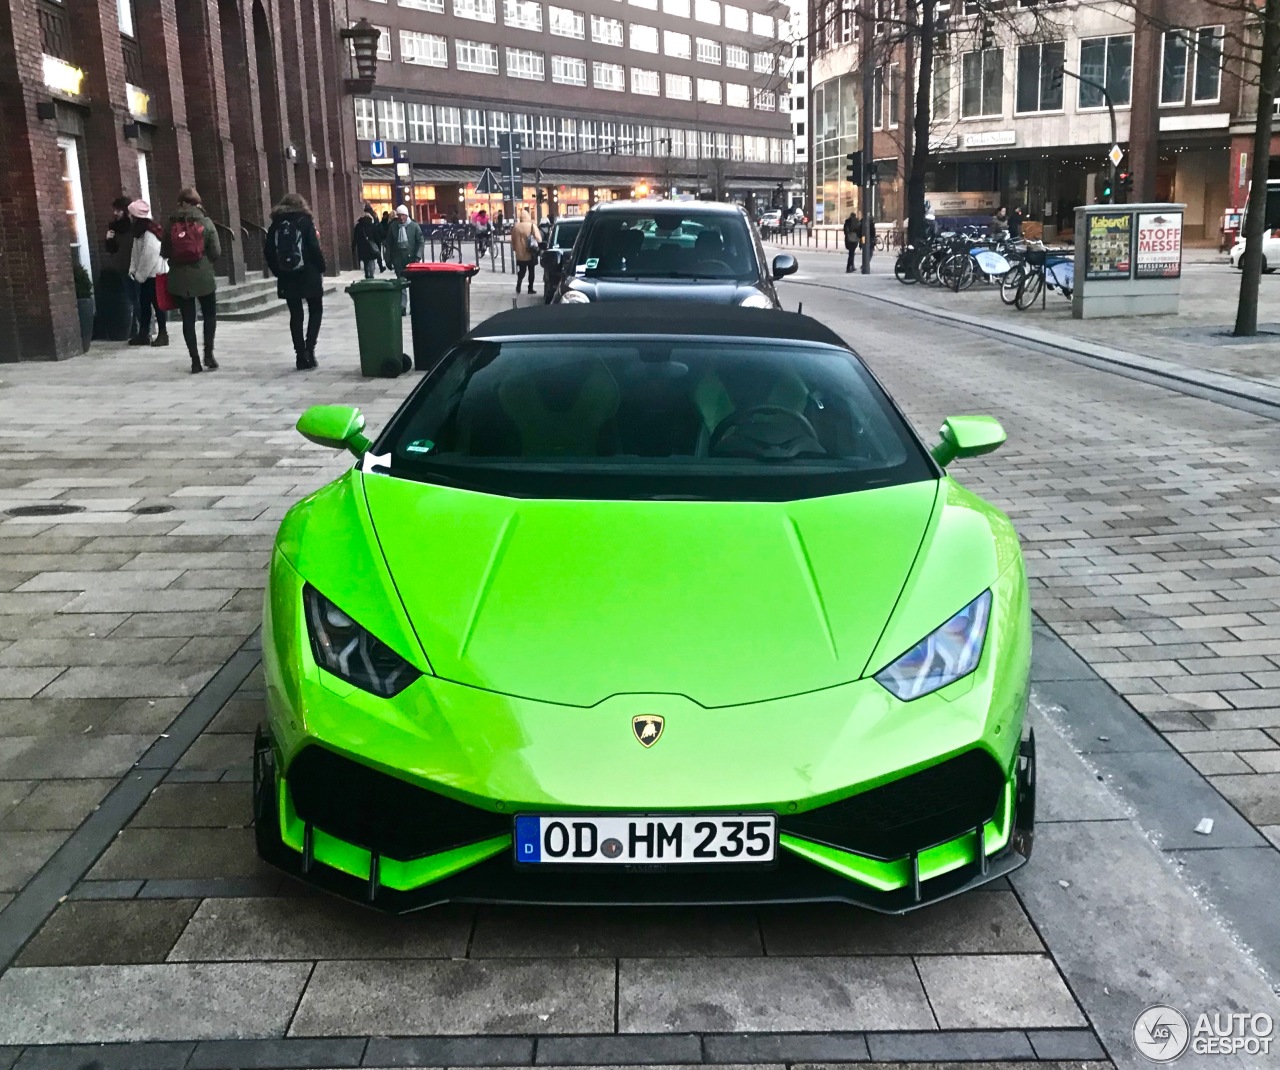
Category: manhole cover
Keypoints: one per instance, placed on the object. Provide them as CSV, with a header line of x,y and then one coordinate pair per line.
x,y
151,510
49,509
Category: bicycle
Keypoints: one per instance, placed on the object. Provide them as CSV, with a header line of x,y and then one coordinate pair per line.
x,y
1044,271
450,242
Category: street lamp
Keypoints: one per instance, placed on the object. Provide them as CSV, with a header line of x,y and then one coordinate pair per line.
x,y
364,37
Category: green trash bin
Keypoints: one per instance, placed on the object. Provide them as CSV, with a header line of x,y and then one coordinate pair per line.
x,y
380,327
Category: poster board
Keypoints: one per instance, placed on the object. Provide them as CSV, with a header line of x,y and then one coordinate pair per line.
x,y
1159,246
1109,246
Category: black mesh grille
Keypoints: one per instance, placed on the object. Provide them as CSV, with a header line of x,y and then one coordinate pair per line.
x,y
914,812
380,812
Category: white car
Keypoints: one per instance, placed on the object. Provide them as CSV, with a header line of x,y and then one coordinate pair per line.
x,y
1270,252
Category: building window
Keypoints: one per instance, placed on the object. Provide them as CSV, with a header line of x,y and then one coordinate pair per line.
x,y
608,76
476,56
763,63
606,31
679,86
567,132
1039,86
480,10
982,83
1173,71
676,44
735,18
587,135
568,70
895,96
737,95
709,91
499,123
941,87
877,100
646,83
608,137
761,25
708,51
384,43
644,38
473,131
73,200
1208,83
766,100
707,11
566,22
124,16
424,49
650,5
424,5
366,127
1109,61
421,128
391,120
679,8
546,132
449,126
525,14
527,64
522,128
736,56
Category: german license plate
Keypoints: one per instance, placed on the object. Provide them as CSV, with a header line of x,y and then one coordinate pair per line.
x,y
645,839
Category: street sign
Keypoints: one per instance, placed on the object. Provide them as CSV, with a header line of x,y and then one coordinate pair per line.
x,y
1115,156
380,152
512,183
489,182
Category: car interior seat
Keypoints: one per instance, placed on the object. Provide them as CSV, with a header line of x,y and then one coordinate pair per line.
x,y
561,411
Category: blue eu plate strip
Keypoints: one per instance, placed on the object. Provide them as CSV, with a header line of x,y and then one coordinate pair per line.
x,y
528,839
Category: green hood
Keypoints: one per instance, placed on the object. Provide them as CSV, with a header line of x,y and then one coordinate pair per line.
x,y
742,601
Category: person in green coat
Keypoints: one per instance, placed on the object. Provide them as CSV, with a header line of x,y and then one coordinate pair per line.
x,y
401,247
191,245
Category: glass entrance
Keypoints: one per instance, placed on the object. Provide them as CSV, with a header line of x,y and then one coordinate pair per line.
x,y
73,204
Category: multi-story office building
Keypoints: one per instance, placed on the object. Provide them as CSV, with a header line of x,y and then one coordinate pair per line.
x,y
800,84
1008,128
606,97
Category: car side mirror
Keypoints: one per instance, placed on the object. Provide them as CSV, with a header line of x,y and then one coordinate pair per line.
x,y
967,436
784,264
552,259
337,426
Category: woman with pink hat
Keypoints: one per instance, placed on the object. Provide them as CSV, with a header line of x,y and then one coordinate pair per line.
x,y
144,265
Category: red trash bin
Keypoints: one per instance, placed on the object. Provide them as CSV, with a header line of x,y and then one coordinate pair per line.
x,y
440,307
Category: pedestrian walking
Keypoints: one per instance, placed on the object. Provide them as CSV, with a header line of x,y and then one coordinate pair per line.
x,y
526,240
145,265
293,253
403,246
366,243
114,276
191,246
852,239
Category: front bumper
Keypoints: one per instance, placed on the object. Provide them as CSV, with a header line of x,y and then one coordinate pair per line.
x,y
484,871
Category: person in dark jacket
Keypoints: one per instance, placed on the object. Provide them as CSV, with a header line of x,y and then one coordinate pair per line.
x,y
293,254
852,239
1015,223
190,245
366,244
114,275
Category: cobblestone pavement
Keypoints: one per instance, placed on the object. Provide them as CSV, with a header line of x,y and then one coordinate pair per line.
x,y
144,932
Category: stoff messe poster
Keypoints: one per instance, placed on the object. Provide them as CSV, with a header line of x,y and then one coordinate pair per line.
x,y
1159,245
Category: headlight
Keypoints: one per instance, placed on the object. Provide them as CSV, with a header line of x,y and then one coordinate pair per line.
x,y
756,300
574,297
345,649
943,656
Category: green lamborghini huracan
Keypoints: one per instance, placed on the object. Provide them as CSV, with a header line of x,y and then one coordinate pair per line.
x,y
646,604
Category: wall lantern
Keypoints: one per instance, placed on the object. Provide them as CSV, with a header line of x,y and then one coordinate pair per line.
x,y
364,37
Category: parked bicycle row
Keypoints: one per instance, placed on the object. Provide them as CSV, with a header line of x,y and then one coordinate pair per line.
x,y
1024,270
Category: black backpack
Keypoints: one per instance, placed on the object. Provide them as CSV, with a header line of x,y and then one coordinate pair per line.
x,y
289,255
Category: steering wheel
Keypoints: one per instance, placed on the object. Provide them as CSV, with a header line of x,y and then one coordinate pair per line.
x,y
703,265
737,420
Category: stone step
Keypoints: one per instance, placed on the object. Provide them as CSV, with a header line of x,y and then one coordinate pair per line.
x,y
256,300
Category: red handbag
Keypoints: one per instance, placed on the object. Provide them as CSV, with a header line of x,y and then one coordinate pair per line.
x,y
164,300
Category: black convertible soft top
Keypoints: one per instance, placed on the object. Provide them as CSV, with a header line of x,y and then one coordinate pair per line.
x,y
623,318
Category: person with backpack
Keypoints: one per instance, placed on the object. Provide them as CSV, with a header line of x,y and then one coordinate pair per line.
x,y
293,254
403,246
366,244
145,265
190,244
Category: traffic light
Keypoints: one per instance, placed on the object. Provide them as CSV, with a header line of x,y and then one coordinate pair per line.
x,y
1126,181
854,174
1108,191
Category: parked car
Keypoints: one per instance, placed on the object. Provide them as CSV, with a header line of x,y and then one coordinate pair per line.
x,y
564,232
698,618
1270,252
696,251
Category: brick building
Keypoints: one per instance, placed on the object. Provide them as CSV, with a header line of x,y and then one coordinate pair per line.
x,y
244,99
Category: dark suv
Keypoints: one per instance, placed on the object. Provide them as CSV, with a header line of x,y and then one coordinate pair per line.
x,y
564,232
681,251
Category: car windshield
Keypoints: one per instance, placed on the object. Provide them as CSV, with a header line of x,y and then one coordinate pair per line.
x,y
669,245
565,233
654,417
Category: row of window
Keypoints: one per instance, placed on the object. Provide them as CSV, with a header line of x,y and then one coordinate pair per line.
x,y
1192,62
527,14
398,120
432,50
